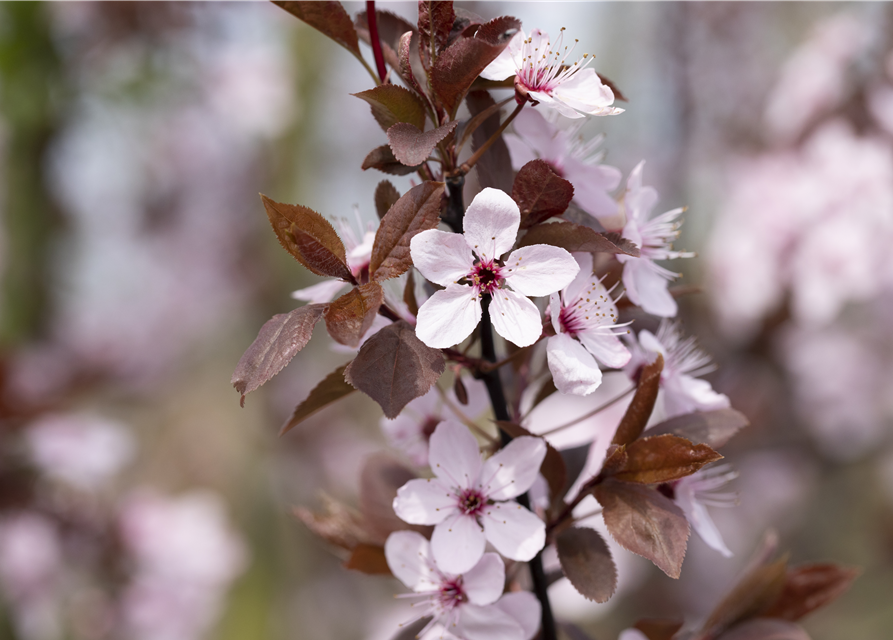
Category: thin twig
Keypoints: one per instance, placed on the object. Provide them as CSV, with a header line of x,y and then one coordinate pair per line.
x,y
590,414
372,20
468,164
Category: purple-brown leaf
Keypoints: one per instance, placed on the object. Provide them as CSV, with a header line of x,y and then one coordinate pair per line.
x,y
636,417
808,587
411,146
392,103
309,238
645,522
663,458
586,561
394,367
328,17
494,168
766,629
658,629
386,195
713,428
417,210
331,389
281,337
369,559
436,19
462,62
576,237
382,158
390,28
349,317
758,590
540,193
336,524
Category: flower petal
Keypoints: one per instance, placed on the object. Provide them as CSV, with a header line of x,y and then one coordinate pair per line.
x,y
424,501
684,394
540,269
440,256
457,543
484,583
504,65
574,370
512,470
696,513
524,608
514,531
491,223
647,288
515,318
448,317
409,558
318,293
606,347
591,186
454,455
581,280
585,92
487,623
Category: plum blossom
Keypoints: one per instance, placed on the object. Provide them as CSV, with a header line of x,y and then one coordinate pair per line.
x,y
468,265
569,157
543,74
467,605
684,362
695,492
646,282
584,311
359,256
470,500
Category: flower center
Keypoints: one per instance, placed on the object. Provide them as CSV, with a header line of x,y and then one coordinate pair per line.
x,y
472,502
451,593
486,276
571,322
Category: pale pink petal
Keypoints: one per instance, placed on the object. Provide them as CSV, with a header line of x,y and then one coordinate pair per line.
x,y
454,455
574,370
524,608
696,514
457,543
649,342
515,318
548,101
606,347
441,257
424,501
544,137
519,151
448,317
591,186
555,311
684,394
409,559
585,92
540,269
580,281
514,531
319,293
648,289
504,65
487,623
491,223
512,470
632,634
484,583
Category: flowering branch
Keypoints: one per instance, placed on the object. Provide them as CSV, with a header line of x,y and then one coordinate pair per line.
x,y
468,164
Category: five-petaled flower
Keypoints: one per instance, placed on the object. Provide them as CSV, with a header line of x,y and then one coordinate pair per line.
x,y
646,282
468,265
584,311
470,500
468,605
543,76
696,492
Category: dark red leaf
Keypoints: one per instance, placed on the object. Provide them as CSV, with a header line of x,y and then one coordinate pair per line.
x,y
279,340
409,300
368,558
386,195
408,46
658,629
663,458
391,104
309,238
382,475
411,146
336,524
586,561
328,17
417,210
349,317
636,417
382,158
645,522
713,428
494,168
436,19
576,237
540,193
749,598
808,587
394,367
332,388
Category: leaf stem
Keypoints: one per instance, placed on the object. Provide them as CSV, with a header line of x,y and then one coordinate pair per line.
x,y
372,20
468,164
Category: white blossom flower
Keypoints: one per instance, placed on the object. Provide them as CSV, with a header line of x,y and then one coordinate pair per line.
x,y
584,319
468,265
542,73
695,492
569,157
646,282
467,605
684,362
359,256
470,501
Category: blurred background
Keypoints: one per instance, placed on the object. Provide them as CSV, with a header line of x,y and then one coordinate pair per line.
x,y
139,502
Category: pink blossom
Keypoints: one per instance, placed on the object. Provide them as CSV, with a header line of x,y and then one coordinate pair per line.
x,y
470,500
645,281
468,265
545,76
569,157
696,492
468,605
584,319
682,391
